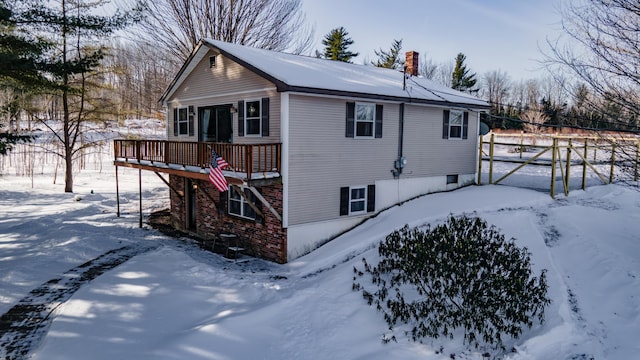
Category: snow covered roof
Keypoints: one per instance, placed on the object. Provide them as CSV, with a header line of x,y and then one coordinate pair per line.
x,y
306,74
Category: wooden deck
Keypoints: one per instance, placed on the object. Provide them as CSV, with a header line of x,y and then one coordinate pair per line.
x,y
246,161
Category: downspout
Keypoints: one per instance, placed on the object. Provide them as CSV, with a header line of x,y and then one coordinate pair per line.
x,y
400,162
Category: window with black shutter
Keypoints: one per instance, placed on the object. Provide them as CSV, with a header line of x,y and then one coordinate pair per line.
x,y
183,121
363,120
356,200
455,124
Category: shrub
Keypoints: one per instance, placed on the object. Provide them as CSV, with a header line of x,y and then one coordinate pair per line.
x,y
460,275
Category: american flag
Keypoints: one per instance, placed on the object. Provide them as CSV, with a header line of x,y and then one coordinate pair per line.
x,y
215,172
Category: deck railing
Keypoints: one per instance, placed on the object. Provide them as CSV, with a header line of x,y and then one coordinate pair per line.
x,y
242,158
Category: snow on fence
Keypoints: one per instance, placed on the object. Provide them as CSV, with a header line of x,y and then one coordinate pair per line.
x,y
609,158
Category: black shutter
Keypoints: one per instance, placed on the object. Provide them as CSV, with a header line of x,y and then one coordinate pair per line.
x,y
378,121
351,112
265,116
371,198
175,121
222,202
445,124
465,125
344,200
240,118
191,116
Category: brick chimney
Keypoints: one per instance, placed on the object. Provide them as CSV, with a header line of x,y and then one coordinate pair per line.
x,y
412,63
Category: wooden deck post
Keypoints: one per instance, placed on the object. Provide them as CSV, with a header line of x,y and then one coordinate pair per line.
x,y
480,161
491,141
568,165
584,164
117,195
553,167
140,190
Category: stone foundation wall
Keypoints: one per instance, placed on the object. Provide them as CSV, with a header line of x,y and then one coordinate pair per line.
x,y
264,238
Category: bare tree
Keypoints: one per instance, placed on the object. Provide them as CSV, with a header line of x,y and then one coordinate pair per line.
x,y
602,49
495,86
176,26
140,75
428,68
533,120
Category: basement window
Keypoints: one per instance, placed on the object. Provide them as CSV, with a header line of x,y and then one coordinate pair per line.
x,y
452,179
239,206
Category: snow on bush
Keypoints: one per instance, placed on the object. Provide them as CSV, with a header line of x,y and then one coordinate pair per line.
x,y
461,274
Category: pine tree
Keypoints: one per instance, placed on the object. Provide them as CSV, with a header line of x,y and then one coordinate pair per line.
x,y
390,59
461,79
336,44
19,59
75,34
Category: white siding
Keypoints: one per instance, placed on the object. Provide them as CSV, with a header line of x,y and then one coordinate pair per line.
x,y
226,83
322,159
427,153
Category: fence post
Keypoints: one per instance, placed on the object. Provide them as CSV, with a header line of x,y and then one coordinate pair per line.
x,y
613,160
480,162
584,164
521,140
491,159
553,167
568,165
635,167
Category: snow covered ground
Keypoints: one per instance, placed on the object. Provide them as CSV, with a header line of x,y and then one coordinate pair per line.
x,y
178,302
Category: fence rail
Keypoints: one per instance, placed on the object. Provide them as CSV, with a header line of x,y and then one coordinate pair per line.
x,y
618,154
242,158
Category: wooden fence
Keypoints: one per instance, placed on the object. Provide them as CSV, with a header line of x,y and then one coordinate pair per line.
x,y
616,154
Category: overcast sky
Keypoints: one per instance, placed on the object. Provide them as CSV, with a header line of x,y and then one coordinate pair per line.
x,y
493,34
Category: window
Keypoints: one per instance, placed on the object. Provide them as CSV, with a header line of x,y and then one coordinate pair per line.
x,y
183,121
452,179
212,61
455,124
364,120
365,115
252,118
239,206
356,200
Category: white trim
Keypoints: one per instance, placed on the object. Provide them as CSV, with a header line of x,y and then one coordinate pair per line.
x,y
178,100
186,120
246,127
284,170
364,199
451,112
242,201
355,121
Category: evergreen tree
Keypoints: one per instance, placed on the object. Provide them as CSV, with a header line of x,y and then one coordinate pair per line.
x,y
390,59
462,79
73,62
19,63
336,44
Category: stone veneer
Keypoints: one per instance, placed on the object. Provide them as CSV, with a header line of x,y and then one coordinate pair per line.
x,y
264,239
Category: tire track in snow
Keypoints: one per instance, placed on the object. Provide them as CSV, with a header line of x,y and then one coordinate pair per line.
x,y
26,323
